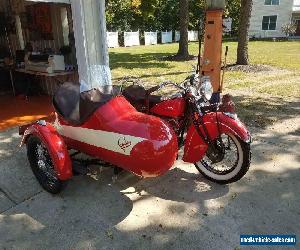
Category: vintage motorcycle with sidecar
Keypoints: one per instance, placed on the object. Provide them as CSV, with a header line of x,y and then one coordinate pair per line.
x,y
103,124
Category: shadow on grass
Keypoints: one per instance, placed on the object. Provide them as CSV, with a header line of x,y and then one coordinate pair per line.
x,y
139,61
159,75
262,112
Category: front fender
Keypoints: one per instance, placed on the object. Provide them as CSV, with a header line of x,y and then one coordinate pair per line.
x,y
195,148
55,145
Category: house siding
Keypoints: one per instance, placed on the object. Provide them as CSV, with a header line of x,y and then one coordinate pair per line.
x,y
283,12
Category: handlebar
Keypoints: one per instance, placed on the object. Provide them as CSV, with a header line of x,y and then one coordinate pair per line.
x,y
164,84
136,80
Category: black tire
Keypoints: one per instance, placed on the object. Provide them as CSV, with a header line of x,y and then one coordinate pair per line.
x,y
43,168
240,168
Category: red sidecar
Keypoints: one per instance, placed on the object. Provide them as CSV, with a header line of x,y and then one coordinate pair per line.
x,y
102,124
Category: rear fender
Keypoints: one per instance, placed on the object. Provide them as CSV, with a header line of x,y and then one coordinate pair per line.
x,y
55,145
195,148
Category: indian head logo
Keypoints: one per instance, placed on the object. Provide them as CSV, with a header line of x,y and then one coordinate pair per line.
x,y
123,143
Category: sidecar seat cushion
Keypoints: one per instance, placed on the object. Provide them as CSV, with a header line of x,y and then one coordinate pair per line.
x,y
76,107
91,100
66,101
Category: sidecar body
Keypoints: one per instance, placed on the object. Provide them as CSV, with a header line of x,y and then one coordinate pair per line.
x,y
104,125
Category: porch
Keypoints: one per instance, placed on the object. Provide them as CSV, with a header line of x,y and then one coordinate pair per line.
x,y
296,17
43,29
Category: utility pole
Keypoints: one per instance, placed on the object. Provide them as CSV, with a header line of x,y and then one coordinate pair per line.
x,y
89,26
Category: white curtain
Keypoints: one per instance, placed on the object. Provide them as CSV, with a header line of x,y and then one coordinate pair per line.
x,y
91,43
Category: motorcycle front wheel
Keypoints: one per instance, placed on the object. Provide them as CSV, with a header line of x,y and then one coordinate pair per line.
x,y
227,160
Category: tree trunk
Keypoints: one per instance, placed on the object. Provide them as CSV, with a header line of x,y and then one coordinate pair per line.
x,y
243,36
183,51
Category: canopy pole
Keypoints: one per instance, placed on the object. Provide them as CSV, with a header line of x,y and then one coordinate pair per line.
x,y
89,26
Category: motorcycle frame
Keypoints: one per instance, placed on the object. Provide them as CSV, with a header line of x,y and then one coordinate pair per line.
x,y
191,110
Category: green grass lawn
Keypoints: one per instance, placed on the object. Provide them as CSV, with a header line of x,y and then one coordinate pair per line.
x,y
147,62
279,54
261,98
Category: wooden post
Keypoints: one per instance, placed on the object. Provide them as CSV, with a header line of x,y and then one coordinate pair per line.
x,y
91,43
211,63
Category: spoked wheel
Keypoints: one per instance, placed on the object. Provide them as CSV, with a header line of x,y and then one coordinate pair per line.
x,y
42,166
226,161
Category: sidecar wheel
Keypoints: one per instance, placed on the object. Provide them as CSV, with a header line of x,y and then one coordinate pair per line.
x,y
229,163
42,166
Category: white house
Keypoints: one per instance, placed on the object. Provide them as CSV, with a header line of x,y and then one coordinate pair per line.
x,y
268,16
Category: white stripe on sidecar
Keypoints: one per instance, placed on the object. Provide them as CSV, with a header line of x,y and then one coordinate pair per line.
x,y
115,142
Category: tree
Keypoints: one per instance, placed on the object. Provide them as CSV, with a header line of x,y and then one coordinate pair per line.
x,y
243,33
167,15
119,15
289,29
183,52
148,7
151,15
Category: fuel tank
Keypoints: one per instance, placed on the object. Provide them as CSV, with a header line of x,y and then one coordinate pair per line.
x,y
170,108
118,134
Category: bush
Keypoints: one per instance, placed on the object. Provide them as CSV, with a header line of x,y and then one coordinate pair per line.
x,y
289,29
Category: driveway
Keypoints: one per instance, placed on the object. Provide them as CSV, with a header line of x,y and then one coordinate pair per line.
x,y
180,210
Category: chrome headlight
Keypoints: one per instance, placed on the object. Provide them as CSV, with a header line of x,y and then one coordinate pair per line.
x,y
206,88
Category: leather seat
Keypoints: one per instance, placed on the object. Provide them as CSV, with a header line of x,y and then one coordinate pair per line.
x,y
66,102
76,107
137,95
91,100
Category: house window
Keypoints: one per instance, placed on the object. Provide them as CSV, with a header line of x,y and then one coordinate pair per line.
x,y
269,23
271,2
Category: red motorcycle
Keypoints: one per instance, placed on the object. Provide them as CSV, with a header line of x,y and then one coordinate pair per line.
x,y
101,123
214,139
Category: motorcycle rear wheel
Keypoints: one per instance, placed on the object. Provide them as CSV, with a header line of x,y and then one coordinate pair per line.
x,y
213,166
42,166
